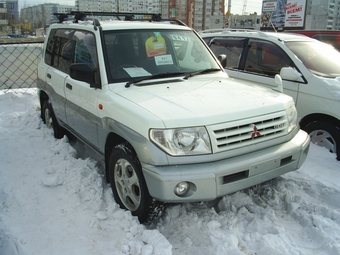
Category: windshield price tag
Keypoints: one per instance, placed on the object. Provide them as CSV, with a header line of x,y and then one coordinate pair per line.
x,y
164,60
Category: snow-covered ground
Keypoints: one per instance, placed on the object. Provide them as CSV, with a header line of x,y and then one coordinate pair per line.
x,y
53,200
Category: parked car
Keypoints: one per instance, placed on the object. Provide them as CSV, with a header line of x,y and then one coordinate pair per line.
x,y
154,101
331,37
309,68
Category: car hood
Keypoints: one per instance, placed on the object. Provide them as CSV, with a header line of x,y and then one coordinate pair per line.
x,y
203,101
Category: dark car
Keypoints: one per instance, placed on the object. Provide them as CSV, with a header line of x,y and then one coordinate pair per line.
x,y
327,36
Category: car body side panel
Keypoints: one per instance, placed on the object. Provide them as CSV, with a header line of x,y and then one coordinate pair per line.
x,y
82,109
56,92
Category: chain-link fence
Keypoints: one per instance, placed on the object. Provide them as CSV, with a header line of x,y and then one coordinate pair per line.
x,y
18,63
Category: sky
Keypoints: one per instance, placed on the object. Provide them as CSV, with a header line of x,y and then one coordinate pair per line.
x,y
251,6
236,5
54,200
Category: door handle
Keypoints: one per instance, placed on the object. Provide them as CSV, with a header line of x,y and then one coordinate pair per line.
x,y
49,76
69,86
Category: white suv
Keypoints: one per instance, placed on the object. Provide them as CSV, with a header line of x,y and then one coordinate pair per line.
x,y
153,100
310,71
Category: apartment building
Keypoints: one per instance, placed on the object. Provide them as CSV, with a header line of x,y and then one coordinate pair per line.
x,y
3,20
42,15
198,14
323,14
9,18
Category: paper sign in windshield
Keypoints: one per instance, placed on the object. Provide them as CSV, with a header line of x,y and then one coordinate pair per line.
x,y
155,46
136,71
164,60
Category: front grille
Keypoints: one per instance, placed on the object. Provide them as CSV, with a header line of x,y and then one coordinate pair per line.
x,y
233,135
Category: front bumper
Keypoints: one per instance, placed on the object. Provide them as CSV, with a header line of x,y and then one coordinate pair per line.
x,y
211,180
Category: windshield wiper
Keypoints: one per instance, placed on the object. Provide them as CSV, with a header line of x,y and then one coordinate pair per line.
x,y
155,76
209,70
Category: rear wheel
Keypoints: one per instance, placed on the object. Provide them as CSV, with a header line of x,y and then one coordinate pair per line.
x,y
50,120
326,135
129,186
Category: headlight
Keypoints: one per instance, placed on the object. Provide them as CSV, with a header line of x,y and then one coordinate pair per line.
x,y
292,118
182,141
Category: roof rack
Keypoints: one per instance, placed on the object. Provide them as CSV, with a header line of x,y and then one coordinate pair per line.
x,y
128,16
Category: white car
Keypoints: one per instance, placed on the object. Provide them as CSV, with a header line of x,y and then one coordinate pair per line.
x,y
153,100
309,68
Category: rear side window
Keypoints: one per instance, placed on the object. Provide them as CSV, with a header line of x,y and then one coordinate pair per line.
x,y
59,50
231,47
50,48
65,54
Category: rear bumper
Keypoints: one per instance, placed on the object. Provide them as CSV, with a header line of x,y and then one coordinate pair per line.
x,y
211,180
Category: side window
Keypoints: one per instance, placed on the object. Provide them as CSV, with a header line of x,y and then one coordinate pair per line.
x,y
207,39
231,47
253,58
59,50
85,49
266,58
50,48
65,55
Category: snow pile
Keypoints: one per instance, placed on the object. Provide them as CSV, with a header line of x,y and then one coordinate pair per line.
x,y
54,200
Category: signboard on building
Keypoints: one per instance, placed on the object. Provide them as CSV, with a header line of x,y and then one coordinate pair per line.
x,y
269,6
295,13
283,14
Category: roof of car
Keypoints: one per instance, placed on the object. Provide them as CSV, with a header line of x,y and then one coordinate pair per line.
x,y
253,34
109,25
117,20
120,25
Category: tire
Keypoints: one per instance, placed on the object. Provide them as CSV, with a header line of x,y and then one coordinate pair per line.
x,y
50,120
326,135
129,186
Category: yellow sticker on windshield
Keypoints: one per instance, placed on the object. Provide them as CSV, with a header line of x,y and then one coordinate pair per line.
x,y
155,46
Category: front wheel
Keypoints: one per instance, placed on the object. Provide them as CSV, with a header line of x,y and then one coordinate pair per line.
x,y
326,135
128,184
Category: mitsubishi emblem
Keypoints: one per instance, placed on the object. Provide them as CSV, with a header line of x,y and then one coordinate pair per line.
x,y
255,132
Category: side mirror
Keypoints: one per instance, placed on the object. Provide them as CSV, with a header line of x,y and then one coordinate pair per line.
x,y
289,73
278,82
83,72
223,59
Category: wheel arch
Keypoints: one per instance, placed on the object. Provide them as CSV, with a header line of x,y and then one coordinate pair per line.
x,y
319,117
112,140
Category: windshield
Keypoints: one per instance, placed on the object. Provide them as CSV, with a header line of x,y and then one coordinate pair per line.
x,y
321,59
133,54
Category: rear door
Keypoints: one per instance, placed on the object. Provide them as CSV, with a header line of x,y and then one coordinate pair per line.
x,y
52,76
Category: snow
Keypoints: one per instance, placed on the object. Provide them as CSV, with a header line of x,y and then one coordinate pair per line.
x,y
54,200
